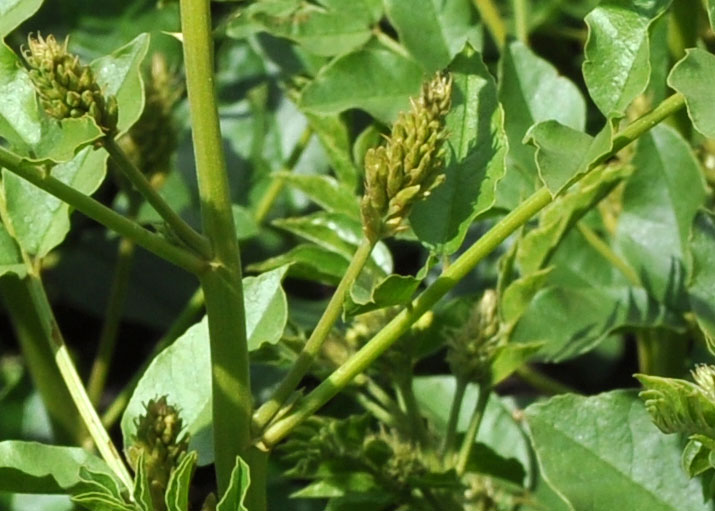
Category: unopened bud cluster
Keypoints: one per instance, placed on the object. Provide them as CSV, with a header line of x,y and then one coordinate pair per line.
x,y
472,347
159,439
408,167
67,89
153,138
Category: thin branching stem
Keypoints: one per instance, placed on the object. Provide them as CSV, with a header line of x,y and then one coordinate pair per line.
x,y
473,429
466,262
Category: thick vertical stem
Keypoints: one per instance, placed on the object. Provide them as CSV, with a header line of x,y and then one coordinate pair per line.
x,y
222,286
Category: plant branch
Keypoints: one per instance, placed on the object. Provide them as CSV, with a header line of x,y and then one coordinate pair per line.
x,y
113,315
521,24
607,253
489,13
101,213
315,342
449,278
473,429
72,381
274,189
176,224
542,382
451,431
222,285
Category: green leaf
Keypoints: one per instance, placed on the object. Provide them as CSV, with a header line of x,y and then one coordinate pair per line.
x,y
326,28
537,245
602,453
99,492
177,492
693,77
375,80
339,485
266,308
308,262
475,161
584,300
338,233
659,204
617,65
119,74
324,191
335,139
235,494
142,486
246,226
529,87
182,371
14,12
711,12
509,358
701,287
392,290
564,154
10,258
31,467
433,31
483,460
498,429
41,221
678,406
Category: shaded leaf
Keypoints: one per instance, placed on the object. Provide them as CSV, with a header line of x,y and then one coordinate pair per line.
x,y
326,27
701,288
617,65
564,154
433,31
475,158
375,80
31,467
693,77
498,429
484,460
324,191
584,299
334,137
10,258
536,246
14,12
602,453
529,87
659,204
309,262
41,221
337,233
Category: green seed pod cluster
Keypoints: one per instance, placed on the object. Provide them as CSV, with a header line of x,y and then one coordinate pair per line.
x,y
67,89
159,439
152,140
408,167
472,347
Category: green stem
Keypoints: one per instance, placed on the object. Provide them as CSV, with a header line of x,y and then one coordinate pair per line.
x,y
492,19
312,346
661,352
101,213
112,315
276,186
607,253
451,431
449,278
376,410
521,24
222,285
101,438
184,320
416,422
66,422
389,42
471,437
176,224
544,383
